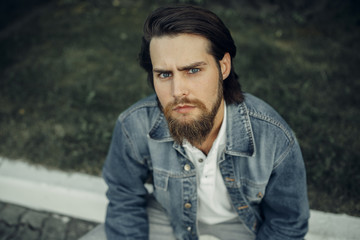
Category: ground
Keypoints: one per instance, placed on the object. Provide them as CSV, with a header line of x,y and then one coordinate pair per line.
x,y
17,222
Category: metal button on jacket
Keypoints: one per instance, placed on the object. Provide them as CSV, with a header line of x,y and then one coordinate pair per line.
x,y
187,205
187,167
259,195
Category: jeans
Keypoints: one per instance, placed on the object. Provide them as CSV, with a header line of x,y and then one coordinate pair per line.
x,y
160,229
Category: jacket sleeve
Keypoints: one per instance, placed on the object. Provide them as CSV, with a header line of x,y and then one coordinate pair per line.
x,y
285,205
125,174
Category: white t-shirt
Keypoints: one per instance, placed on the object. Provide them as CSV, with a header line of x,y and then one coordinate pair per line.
x,y
214,204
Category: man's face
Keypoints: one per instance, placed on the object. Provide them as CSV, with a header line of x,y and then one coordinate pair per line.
x,y
188,83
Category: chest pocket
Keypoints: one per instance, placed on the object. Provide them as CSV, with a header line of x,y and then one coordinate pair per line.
x,y
254,192
161,180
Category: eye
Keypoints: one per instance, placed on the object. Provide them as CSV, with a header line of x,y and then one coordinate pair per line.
x,y
164,75
194,70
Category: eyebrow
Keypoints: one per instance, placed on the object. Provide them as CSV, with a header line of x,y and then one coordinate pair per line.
x,y
187,67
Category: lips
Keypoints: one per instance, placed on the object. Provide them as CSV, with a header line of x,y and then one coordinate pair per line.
x,y
183,108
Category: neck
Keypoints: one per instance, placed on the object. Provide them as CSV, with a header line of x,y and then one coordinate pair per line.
x,y
207,144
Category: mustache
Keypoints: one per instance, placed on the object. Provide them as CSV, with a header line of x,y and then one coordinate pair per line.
x,y
194,102
185,100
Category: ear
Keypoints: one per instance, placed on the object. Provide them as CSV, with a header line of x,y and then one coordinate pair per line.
x,y
225,65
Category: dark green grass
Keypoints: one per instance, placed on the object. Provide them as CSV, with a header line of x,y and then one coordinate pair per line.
x,y
66,74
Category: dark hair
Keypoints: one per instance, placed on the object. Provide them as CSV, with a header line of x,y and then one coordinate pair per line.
x,y
192,20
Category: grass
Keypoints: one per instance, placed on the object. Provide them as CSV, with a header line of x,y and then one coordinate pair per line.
x,y
67,73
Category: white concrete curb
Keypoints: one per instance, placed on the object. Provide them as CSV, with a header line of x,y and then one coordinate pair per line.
x,y
83,196
77,195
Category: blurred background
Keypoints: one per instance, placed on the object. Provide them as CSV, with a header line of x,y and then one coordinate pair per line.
x,y
68,68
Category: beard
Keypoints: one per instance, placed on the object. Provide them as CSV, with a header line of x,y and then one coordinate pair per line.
x,y
195,131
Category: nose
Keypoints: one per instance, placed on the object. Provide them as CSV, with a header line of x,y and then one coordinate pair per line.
x,y
179,85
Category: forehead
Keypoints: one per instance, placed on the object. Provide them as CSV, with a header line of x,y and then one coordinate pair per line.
x,y
179,49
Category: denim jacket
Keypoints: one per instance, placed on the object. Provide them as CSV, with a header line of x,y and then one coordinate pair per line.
x,y
262,168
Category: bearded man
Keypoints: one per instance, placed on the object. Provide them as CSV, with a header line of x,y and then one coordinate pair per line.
x,y
223,163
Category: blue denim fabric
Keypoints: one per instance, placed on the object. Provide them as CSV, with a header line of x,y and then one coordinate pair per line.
x,y
262,168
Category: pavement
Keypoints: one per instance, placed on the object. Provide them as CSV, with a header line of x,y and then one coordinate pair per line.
x,y
17,222
41,204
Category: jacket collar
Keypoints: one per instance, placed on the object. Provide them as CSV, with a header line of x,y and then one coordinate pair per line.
x,y
239,133
160,131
